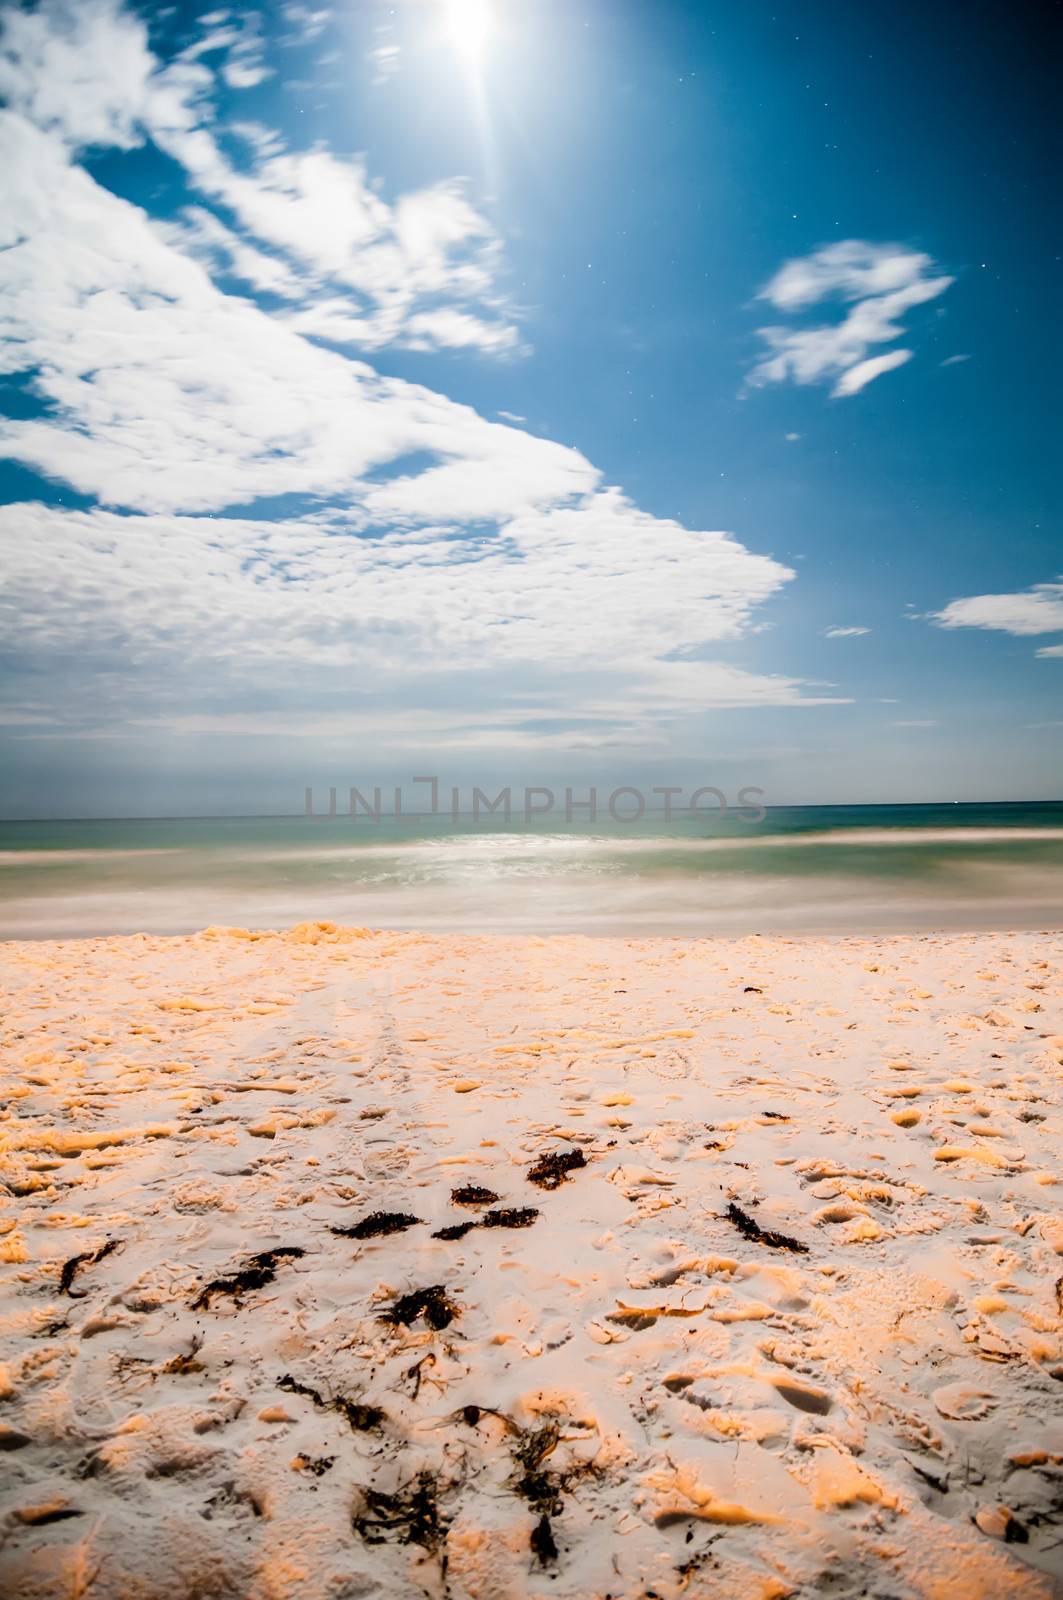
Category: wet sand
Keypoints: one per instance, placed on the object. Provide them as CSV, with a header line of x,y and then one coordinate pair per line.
x,y
339,1264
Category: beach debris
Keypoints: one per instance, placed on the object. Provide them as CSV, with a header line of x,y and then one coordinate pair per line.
x,y
473,1194
542,1489
542,1541
376,1224
257,1271
551,1170
471,1415
751,988
409,1516
433,1304
509,1217
750,1228
318,1465
186,1360
88,1258
361,1417
503,1217
937,1483
414,1372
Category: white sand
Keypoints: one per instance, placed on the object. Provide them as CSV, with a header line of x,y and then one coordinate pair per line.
x,y
697,1413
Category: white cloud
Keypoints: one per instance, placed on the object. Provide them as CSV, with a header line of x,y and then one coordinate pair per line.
x,y
307,22
952,361
445,547
386,59
203,235
79,67
858,377
421,271
238,40
880,282
844,633
573,615
1051,650
171,395
553,588
1029,612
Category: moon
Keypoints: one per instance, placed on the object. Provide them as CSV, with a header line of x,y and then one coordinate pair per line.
x,y
469,22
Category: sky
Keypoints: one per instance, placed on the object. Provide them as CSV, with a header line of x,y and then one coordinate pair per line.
x,y
620,391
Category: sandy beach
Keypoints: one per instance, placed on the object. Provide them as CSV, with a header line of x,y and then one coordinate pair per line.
x,y
342,1264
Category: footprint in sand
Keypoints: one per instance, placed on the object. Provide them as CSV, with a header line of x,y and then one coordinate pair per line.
x,y
962,1402
803,1396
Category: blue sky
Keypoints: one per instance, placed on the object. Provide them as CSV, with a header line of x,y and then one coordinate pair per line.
x,y
388,391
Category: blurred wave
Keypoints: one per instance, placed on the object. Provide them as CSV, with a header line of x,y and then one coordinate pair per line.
x,y
818,868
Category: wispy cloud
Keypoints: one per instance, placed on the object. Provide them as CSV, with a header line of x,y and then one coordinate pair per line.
x,y
237,39
307,22
879,283
844,633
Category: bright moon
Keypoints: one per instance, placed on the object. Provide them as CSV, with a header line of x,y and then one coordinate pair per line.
x,y
470,24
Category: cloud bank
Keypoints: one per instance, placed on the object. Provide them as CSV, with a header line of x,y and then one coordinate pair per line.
x,y
271,520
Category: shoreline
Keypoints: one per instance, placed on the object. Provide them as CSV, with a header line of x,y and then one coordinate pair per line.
x,y
792,1319
856,920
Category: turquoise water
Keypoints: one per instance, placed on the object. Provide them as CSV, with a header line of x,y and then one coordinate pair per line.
x,y
836,868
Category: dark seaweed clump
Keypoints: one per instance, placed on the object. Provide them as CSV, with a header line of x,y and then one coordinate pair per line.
x,y
72,1267
378,1223
433,1304
503,1217
509,1217
256,1272
550,1171
541,1489
360,1416
471,1194
750,1228
410,1516
542,1541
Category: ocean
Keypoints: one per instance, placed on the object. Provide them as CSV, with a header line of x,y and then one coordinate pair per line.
x,y
826,869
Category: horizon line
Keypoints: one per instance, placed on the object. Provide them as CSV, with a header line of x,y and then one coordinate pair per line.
x,y
449,816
